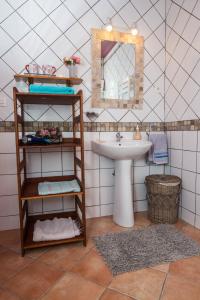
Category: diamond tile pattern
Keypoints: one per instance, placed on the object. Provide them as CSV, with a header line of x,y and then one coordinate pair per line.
x,y
46,31
183,66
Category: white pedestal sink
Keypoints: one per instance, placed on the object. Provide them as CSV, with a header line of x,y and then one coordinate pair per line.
x,y
123,153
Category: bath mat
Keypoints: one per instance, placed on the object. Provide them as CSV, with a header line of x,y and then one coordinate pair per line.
x,y
137,249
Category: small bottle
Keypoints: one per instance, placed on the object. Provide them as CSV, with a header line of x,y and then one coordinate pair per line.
x,y
137,134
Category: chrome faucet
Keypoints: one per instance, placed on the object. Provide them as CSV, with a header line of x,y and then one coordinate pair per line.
x,y
118,137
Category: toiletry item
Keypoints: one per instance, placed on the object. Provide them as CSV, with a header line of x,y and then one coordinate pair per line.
x,y
137,134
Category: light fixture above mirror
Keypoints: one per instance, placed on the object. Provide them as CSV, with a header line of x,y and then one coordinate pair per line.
x,y
110,27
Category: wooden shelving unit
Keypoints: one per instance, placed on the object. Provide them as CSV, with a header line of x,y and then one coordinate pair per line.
x,y
28,187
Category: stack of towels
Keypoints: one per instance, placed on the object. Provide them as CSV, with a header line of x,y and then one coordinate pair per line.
x,y
158,154
51,89
56,229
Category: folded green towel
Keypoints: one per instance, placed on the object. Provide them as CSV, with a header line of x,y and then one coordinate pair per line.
x,y
51,89
47,187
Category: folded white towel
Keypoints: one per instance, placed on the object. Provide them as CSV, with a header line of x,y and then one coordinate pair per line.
x,y
56,229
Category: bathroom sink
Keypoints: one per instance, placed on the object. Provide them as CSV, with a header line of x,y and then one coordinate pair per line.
x,y
124,150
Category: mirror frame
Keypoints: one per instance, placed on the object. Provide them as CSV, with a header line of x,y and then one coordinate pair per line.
x,y
97,36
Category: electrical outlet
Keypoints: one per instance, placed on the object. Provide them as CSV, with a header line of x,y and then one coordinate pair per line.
x,y
3,102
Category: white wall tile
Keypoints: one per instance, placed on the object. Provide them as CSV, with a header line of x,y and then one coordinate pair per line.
x,y
188,216
106,210
9,205
176,158
8,164
197,221
140,173
35,206
198,204
176,139
51,161
188,180
106,195
52,204
176,172
91,178
140,206
106,177
9,222
188,200
7,144
190,140
91,160
106,163
139,192
8,185
92,196
189,161
93,212
68,203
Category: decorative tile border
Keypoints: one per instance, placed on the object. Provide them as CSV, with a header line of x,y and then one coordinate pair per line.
x,y
189,125
7,126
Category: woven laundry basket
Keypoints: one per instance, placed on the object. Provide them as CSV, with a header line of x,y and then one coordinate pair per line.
x,y
163,194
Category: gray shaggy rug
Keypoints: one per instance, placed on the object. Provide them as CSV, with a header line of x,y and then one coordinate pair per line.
x,y
137,249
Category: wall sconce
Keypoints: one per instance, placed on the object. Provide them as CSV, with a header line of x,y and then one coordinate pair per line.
x,y
109,26
134,30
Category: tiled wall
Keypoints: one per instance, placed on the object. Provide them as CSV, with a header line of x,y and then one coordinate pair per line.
x,y
182,87
185,163
44,32
182,81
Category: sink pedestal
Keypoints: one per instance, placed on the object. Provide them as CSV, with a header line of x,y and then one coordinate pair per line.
x,y
123,202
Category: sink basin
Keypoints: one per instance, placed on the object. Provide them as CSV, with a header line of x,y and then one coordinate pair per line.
x,y
123,153
125,150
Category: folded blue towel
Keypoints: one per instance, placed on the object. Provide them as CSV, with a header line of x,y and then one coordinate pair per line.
x,y
59,187
158,153
50,89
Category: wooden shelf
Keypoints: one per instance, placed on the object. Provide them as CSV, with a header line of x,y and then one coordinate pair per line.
x,y
67,142
32,77
30,244
30,187
51,99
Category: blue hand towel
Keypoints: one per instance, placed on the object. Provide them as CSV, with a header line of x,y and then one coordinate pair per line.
x,y
50,89
158,153
48,187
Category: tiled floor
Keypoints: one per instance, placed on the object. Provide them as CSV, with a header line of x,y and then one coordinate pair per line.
x,y
74,272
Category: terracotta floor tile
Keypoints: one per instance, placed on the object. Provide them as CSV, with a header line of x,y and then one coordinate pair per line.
x,y
73,287
187,268
144,284
102,225
6,295
178,288
33,281
64,257
92,267
162,268
112,295
11,263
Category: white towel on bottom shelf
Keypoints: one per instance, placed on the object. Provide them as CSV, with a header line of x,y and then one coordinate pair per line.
x,y
56,229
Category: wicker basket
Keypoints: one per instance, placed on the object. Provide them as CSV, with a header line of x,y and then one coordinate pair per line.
x,y
163,194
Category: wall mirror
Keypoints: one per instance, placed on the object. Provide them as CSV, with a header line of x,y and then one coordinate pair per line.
x,y
117,69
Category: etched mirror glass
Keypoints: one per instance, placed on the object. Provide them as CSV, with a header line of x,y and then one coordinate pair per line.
x,y
117,70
